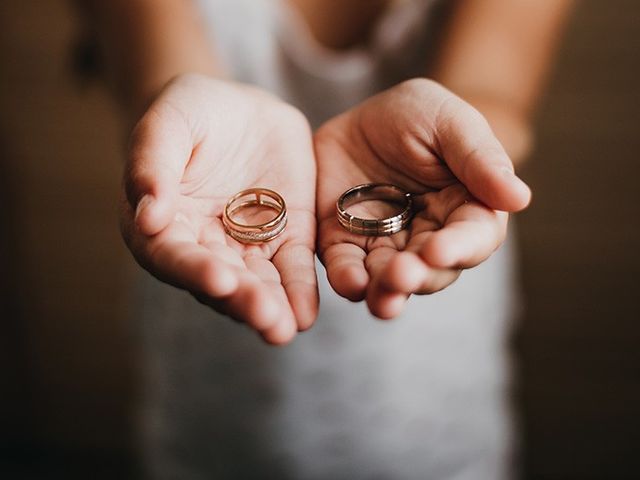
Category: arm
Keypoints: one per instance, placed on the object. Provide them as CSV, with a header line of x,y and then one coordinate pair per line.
x,y
422,138
200,142
146,43
496,55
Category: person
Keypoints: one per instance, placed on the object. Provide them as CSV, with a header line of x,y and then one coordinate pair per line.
x,y
224,93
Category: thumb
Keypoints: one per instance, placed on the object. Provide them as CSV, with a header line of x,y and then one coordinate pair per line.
x,y
159,149
476,157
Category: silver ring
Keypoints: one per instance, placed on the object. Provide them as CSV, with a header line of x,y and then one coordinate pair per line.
x,y
258,233
376,226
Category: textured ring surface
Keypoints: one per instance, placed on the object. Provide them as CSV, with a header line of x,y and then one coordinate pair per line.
x,y
258,233
375,226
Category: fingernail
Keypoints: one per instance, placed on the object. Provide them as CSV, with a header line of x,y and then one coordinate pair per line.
x,y
518,185
144,202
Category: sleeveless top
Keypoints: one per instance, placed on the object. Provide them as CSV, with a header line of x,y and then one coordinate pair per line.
x,y
424,396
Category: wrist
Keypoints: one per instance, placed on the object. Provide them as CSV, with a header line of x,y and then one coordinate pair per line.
x,y
141,94
511,127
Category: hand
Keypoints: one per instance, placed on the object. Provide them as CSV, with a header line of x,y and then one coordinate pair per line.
x,y
202,141
424,139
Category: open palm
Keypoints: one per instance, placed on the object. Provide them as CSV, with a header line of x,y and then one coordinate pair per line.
x,y
425,140
201,142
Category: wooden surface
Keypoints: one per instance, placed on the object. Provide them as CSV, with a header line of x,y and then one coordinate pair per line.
x,y
67,357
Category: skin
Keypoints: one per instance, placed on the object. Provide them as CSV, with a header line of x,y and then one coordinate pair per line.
x,y
179,176
200,142
424,139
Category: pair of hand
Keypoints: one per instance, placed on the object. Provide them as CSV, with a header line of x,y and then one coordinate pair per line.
x,y
204,140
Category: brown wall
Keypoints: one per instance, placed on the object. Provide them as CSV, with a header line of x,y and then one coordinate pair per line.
x,y
580,343
67,356
65,352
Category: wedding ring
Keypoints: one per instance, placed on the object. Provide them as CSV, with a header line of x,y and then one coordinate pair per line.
x,y
375,226
259,233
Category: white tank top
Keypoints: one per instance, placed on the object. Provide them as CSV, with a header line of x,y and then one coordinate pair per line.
x,y
275,49
421,397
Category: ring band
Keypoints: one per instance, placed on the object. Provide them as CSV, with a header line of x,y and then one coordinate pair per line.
x,y
376,226
259,233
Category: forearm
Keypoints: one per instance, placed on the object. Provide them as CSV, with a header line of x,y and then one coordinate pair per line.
x,y
510,125
146,43
496,54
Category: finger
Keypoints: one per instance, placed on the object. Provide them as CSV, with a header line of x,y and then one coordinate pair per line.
x,y
214,275
470,235
174,256
385,304
255,305
270,312
160,147
382,302
252,304
296,264
346,271
279,334
190,266
476,157
407,273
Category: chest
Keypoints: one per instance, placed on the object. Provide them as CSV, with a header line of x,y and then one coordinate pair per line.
x,y
341,24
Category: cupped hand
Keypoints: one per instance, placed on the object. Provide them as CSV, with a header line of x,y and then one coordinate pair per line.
x,y
422,138
200,142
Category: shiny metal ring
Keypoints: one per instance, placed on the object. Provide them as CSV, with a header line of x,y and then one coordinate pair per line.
x,y
377,226
259,233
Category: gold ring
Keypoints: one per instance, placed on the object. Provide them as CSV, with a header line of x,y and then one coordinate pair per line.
x,y
258,233
376,226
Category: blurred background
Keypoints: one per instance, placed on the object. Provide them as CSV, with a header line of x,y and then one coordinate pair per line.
x,y
68,356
